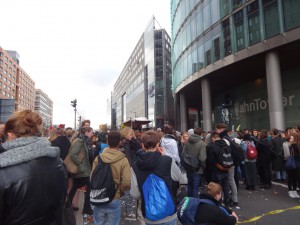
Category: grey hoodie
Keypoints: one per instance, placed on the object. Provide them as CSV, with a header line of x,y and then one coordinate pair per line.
x,y
197,147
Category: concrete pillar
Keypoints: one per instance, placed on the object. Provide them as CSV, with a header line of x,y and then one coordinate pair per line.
x,y
183,113
274,86
206,105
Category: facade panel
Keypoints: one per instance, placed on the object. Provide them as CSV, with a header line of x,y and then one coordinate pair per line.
x,y
229,47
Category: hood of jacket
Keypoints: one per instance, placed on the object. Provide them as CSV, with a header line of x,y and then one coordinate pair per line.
x,y
147,161
24,149
111,155
194,138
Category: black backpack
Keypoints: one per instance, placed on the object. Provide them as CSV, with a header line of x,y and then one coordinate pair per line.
x,y
103,188
189,161
224,157
237,151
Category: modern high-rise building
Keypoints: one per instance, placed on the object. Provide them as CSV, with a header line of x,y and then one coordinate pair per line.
x,y
15,83
44,106
236,62
143,89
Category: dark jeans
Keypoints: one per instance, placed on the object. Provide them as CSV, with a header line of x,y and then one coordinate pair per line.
x,y
264,173
194,182
223,180
80,182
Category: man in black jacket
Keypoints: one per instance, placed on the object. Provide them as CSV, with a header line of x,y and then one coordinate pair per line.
x,y
213,213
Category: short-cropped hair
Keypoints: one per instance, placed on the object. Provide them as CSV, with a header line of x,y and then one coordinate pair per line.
x,y
198,131
150,139
213,189
113,139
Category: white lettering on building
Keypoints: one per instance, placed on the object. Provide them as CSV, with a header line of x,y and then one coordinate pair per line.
x,y
260,104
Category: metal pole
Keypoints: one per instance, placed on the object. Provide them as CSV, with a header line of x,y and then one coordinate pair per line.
x,y
75,118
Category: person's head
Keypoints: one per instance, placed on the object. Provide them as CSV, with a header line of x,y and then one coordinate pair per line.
x,y
150,140
246,131
275,132
263,134
220,127
86,123
169,129
185,137
87,131
69,132
214,137
214,190
94,138
114,139
247,137
23,123
198,131
291,139
127,133
255,132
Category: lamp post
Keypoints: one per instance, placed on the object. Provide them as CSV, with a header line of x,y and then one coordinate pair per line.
x,y
74,104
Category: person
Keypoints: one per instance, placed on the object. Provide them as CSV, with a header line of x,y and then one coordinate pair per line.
x,y
82,178
169,143
264,158
223,132
129,145
278,162
250,165
152,158
111,212
292,150
183,140
59,139
196,147
218,175
32,175
213,214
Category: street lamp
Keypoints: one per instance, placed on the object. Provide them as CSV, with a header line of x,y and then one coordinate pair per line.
x,y
74,104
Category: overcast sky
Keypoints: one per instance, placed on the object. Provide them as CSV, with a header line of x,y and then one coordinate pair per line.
x,y
77,48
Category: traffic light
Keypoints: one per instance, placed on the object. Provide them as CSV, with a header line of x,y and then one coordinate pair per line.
x,y
74,103
79,119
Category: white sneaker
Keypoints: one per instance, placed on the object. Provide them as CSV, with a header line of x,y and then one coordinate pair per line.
x,y
296,194
292,194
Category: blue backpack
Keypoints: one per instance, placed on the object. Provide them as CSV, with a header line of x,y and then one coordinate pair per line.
x,y
157,198
187,210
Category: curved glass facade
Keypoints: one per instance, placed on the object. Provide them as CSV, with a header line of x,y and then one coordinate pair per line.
x,y
206,31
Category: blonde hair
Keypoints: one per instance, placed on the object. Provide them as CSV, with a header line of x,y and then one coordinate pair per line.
x,y
24,123
125,132
52,134
214,189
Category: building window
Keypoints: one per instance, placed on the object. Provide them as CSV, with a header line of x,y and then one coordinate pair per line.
x,y
239,30
226,37
253,23
291,10
224,7
271,18
236,4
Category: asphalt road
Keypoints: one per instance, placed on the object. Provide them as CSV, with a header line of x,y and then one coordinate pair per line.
x,y
259,207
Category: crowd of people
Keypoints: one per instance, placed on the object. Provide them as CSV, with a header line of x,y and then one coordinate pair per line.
x,y
35,182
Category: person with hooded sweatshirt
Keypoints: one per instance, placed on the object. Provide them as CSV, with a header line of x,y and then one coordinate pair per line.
x,y
111,213
218,175
196,147
152,159
33,179
264,159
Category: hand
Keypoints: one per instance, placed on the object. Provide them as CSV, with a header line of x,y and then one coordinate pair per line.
x,y
233,214
161,150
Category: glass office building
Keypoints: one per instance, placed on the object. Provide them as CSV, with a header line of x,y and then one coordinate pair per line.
x,y
143,89
236,61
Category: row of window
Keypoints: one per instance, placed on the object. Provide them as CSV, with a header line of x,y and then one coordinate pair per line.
x,y
243,28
